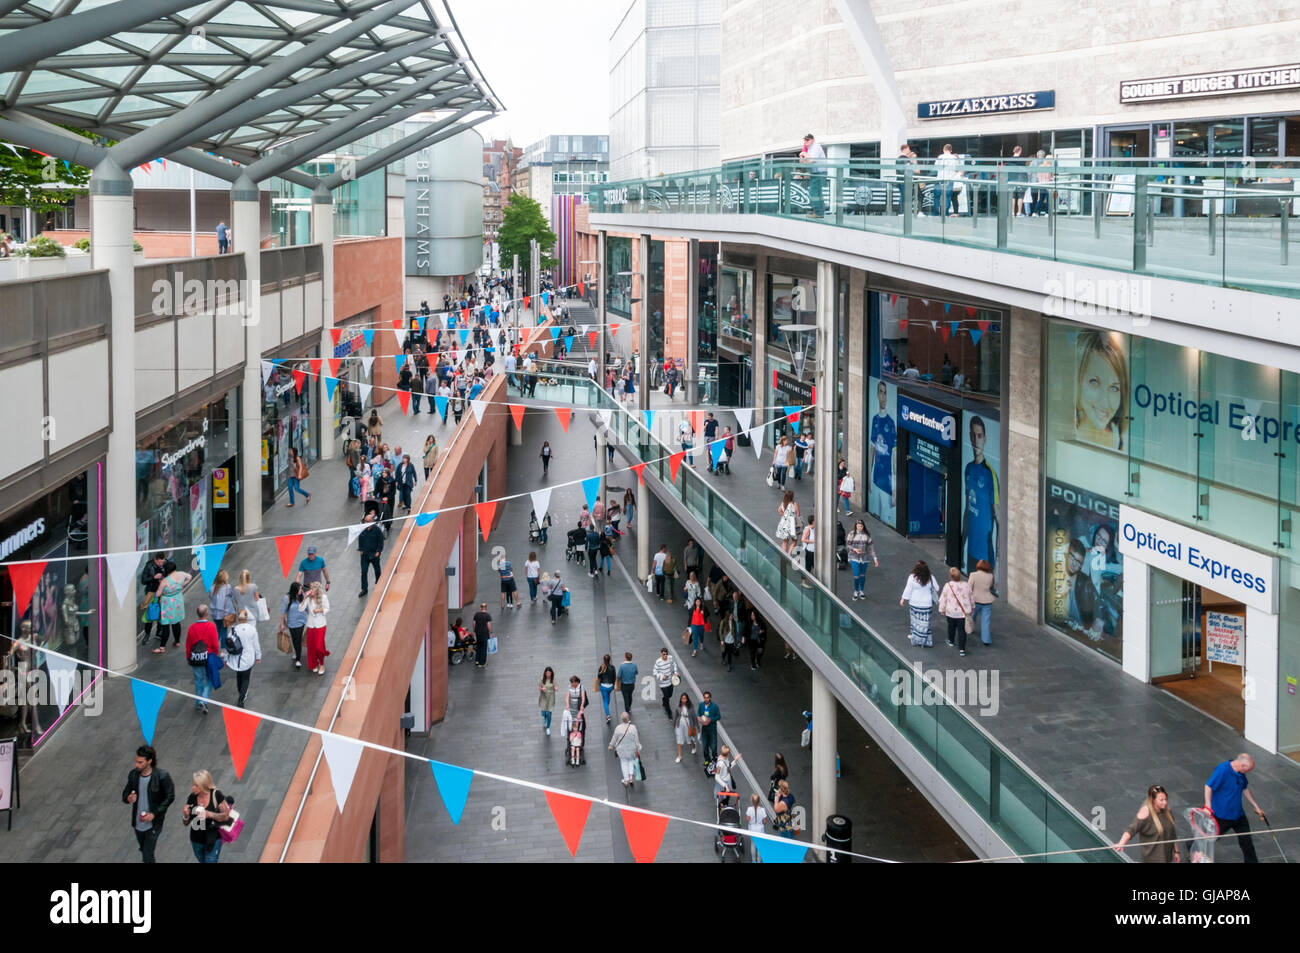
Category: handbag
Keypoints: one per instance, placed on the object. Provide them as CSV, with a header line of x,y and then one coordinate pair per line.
x,y
263,613
640,769
771,477
153,611
686,636
650,583
677,679
618,684
970,624
231,830
492,646
805,739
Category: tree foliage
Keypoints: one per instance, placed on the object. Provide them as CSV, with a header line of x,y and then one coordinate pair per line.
x,y
41,183
521,223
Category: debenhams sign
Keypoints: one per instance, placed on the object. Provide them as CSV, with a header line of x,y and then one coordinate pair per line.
x,y
1198,85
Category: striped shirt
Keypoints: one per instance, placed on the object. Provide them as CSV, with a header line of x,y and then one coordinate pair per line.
x,y
664,669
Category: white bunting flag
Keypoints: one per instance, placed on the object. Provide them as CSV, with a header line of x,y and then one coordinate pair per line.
x,y
354,531
363,390
744,418
267,367
342,755
541,500
63,674
121,570
606,416
478,406
586,329
401,337
366,364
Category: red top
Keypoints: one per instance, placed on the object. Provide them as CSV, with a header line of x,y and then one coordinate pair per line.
x,y
697,617
203,630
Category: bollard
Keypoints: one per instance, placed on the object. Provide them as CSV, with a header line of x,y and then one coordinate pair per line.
x,y
1213,219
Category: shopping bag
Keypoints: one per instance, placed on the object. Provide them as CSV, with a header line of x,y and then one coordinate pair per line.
x,y
650,583
263,613
231,830
686,637
640,769
771,478
805,739
282,640
492,645
565,601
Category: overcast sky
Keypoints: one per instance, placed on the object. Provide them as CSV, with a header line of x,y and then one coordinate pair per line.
x,y
547,61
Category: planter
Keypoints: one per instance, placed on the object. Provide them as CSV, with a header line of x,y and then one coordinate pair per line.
x,y
8,269
77,263
45,267
138,256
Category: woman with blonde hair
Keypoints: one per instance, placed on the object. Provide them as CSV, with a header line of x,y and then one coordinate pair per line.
x,y
246,595
1101,394
221,601
205,810
787,528
1155,829
956,604
318,606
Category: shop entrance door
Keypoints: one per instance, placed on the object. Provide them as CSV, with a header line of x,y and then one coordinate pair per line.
x,y
1198,647
927,486
1130,143
225,513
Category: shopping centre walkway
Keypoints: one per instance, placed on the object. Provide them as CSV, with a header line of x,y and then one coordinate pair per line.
x,y
1096,736
493,720
79,772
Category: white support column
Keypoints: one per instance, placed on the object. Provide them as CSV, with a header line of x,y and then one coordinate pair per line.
x,y
322,233
111,218
759,355
691,372
825,727
601,318
602,440
643,329
643,551
245,219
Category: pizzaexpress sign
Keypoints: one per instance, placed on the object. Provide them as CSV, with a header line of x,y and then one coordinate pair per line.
x,y
980,105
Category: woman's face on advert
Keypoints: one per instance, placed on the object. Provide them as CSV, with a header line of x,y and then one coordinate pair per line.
x,y
1099,396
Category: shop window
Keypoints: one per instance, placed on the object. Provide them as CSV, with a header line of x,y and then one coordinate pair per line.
x,y
791,300
1265,136
940,344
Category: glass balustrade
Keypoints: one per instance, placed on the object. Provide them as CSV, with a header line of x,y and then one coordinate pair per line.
x,y
988,777
1216,221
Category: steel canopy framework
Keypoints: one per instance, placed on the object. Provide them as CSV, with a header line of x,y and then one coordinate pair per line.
x,y
263,84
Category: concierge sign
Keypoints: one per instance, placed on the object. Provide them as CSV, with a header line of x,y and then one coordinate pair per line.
x,y
1201,85
1239,573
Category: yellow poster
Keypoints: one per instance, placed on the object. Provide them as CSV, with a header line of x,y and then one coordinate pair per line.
x,y
265,465
221,489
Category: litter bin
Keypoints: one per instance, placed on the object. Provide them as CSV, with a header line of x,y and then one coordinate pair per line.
x,y
839,834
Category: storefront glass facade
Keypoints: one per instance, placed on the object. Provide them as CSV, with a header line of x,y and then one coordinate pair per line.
x,y
736,337
289,422
63,614
618,276
186,478
706,304
350,350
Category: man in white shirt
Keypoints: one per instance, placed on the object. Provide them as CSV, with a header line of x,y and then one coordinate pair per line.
x,y
664,670
591,368
913,372
509,366
945,171
811,153
659,559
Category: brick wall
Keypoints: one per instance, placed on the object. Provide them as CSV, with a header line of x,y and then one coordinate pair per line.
x,y
368,274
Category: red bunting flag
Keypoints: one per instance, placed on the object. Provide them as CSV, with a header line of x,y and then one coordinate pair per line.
x,y
517,412
485,512
591,336
397,325
902,324
241,726
287,547
565,414
812,398
943,330
893,299
982,325
335,364
334,333
298,378
314,364
570,815
774,385
464,314
697,420
24,577
527,298
645,832
404,398
675,462
613,330
640,472
970,311
582,289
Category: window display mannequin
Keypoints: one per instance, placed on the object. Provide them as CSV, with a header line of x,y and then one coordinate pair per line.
x,y
20,658
70,615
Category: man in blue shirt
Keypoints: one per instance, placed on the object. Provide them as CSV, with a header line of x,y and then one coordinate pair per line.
x,y
980,522
312,569
709,715
884,438
627,680
223,238
1223,793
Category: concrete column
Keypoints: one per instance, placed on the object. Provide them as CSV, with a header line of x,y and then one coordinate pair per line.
x,y
601,317
322,233
1019,536
825,729
245,220
760,346
602,440
825,740
643,550
111,218
854,385
643,330
692,372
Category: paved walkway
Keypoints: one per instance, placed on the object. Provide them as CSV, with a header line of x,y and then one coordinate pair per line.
x,y
1098,737
79,772
492,719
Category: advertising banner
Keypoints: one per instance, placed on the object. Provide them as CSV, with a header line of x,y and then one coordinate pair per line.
x,y
1084,572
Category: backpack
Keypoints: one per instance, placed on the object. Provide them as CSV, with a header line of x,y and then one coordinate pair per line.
x,y
199,654
670,566
234,645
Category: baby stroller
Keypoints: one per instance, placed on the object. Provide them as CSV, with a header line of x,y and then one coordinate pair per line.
x,y
576,546
841,547
729,843
534,531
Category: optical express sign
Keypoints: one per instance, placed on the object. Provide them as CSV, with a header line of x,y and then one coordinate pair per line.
x,y
1226,568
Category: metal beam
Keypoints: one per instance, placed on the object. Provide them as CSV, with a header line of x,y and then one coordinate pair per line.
x,y
22,48
345,130
34,134
279,99
412,143
175,131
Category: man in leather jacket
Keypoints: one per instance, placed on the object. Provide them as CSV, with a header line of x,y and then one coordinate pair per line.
x,y
150,793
